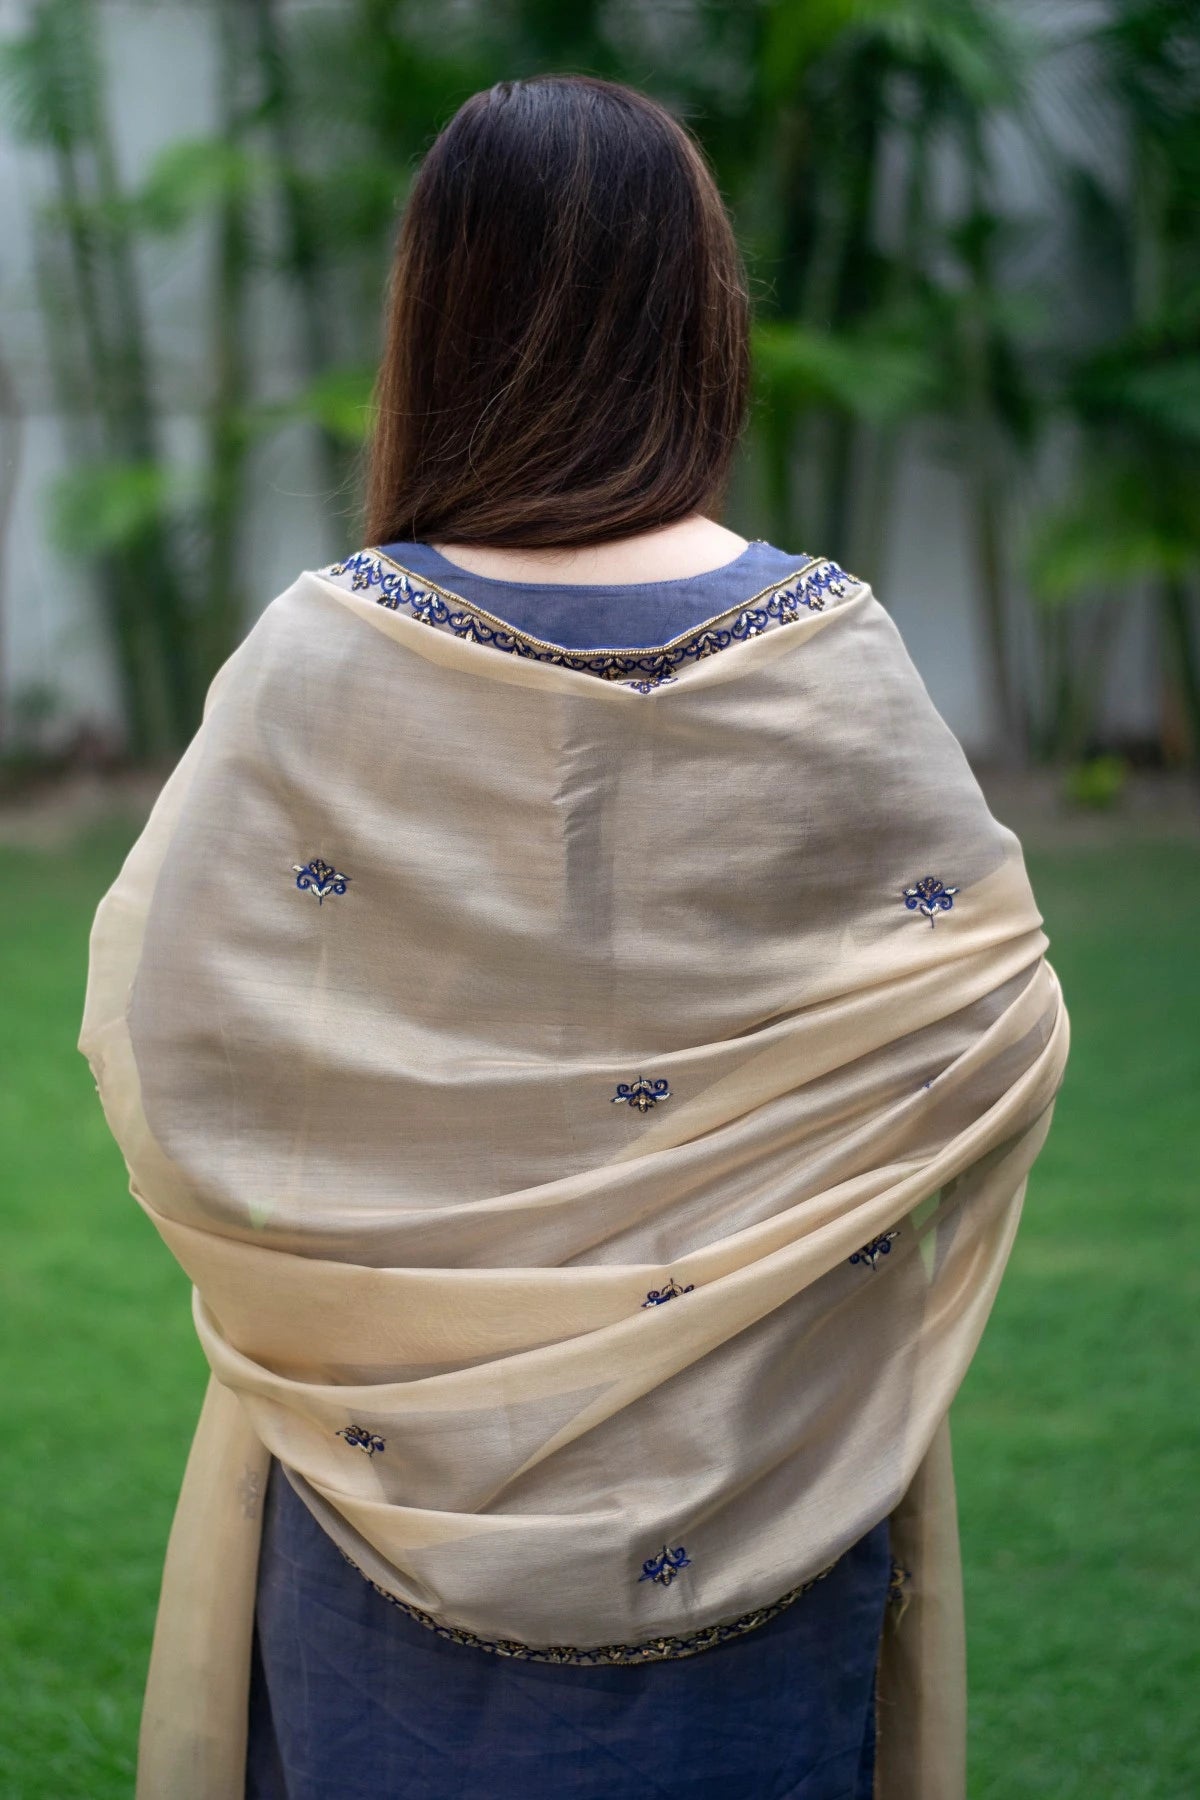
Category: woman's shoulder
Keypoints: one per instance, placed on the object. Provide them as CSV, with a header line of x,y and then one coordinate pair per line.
x,y
782,564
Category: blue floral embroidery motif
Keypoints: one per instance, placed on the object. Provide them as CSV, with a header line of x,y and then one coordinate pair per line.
x,y
659,1296
656,1649
929,896
824,582
320,878
808,590
880,1246
641,1093
359,1438
665,1566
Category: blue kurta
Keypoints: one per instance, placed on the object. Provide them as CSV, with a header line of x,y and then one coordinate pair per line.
x,y
352,1698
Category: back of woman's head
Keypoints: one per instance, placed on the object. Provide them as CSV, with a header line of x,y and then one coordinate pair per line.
x,y
566,355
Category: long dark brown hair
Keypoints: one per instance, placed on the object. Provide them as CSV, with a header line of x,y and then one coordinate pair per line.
x,y
566,357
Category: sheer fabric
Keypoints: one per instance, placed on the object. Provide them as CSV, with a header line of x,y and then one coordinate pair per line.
x,y
594,1105
351,1698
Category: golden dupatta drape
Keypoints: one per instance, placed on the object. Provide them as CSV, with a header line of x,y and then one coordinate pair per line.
x,y
592,1095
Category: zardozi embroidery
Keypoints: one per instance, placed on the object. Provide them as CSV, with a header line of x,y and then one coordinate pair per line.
x,y
359,1438
665,1566
659,1649
929,897
880,1246
809,589
320,878
659,1296
641,1093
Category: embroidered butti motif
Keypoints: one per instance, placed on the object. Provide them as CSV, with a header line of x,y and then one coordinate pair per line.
x,y
809,589
899,1590
897,1578
659,1296
641,1093
880,1246
359,1438
659,1649
929,897
665,1566
320,878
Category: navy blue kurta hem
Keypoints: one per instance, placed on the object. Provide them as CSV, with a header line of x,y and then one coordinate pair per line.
x,y
350,1698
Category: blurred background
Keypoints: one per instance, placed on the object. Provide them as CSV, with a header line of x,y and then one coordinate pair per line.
x,y
973,235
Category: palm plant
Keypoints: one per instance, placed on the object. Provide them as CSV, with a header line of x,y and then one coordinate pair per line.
x,y
889,311
162,542
53,83
1129,522
855,140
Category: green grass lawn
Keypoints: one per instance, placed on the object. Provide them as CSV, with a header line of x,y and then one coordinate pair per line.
x,y
1075,1434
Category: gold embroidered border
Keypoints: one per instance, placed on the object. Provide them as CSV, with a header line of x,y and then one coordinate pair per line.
x,y
535,643
660,1649
645,667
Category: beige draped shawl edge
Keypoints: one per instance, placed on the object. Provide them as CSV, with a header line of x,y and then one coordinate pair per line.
x,y
194,1716
195,1712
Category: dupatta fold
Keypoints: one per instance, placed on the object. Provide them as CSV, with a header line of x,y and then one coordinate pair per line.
x,y
592,1094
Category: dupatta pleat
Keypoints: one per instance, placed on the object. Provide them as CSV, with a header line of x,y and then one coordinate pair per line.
x,y
593,1105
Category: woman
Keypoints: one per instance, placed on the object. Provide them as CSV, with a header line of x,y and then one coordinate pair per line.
x,y
574,1018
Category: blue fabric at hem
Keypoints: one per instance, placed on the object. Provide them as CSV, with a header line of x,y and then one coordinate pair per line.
x,y
350,1698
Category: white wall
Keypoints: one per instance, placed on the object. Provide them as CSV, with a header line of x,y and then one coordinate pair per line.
x,y
162,72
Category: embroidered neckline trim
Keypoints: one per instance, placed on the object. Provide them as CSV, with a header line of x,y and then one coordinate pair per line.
x,y
424,581
659,1649
430,603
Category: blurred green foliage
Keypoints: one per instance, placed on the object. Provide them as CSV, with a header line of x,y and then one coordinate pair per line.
x,y
901,283
1097,782
1075,1445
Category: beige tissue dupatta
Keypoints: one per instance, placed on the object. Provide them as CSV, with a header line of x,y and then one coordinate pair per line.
x,y
592,1094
